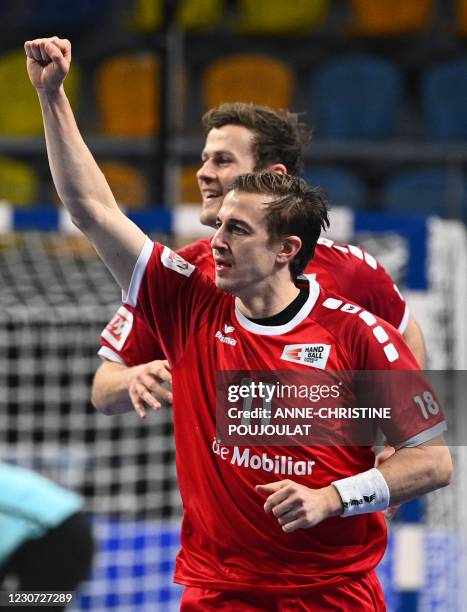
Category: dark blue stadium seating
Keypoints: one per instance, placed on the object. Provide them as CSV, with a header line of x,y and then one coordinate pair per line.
x,y
343,187
355,97
428,190
444,101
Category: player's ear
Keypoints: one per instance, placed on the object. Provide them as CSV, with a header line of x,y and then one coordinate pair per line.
x,y
280,168
290,246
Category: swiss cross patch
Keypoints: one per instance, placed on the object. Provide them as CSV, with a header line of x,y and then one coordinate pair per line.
x,y
118,328
172,260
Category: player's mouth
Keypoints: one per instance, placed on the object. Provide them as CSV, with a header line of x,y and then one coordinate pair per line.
x,y
209,195
222,265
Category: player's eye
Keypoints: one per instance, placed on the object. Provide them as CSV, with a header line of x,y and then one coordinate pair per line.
x,y
238,229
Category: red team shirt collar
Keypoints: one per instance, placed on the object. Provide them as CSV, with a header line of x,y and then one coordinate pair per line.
x,y
277,330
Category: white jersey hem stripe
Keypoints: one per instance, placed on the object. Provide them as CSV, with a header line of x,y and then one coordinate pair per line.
x,y
405,319
137,276
424,436
109,355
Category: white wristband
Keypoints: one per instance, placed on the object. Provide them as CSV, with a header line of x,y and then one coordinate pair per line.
x,y
365,492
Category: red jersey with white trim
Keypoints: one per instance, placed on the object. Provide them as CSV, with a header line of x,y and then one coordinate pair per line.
x,y
343,269
353,273
228,542
127,339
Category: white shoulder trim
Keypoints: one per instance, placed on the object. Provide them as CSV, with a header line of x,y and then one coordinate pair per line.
x,y
135,283
277,330
405,319
424,436
107,354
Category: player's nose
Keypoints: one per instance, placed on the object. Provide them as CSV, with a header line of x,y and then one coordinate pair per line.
x,y
206,172
218,242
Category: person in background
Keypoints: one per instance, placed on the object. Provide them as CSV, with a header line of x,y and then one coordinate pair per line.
x,y
240,138
46,542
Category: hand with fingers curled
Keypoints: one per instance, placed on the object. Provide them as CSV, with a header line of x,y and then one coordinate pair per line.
x,y
48,62
150,385
298,507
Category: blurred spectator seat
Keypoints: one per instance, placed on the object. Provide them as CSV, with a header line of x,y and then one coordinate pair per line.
x,y
129,186
188,185
355,97
429,191
386,17
20,113
342,187
18,182
279,17
191,14
200,14
248,78
127,89
147,15
444,100
70,13
461,17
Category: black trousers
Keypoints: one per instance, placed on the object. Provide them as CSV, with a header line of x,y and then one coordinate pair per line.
x,y
58,561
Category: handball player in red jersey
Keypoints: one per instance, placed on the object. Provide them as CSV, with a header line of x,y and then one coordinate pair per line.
x,y
240,138
252,538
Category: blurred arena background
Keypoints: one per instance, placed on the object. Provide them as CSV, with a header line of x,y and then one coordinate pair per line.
x,y
384,85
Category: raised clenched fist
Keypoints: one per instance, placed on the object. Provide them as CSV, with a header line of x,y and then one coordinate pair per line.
x,y
48,62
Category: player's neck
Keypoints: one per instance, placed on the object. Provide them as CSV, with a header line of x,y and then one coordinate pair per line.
x,y
267,301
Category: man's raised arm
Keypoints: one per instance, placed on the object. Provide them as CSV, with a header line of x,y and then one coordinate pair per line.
x,y
79,182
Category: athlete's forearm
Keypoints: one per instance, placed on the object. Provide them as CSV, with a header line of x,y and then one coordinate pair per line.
x,y
110,388
411,472
408,473
85,192
414,339
79,182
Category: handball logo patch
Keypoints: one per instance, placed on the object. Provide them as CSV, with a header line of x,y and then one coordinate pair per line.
x,y
313,355
172,260
119,327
